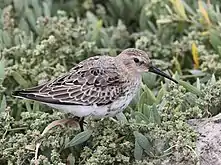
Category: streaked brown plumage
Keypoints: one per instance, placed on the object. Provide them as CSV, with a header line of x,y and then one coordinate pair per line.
x,y
99,86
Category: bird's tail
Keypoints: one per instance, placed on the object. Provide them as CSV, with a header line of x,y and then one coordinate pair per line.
x,y
21,94
28,93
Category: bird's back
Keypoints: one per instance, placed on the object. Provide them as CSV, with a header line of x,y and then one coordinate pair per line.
x,y
96,80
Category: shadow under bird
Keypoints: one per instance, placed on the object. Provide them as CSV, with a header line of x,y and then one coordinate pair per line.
x,y
100,86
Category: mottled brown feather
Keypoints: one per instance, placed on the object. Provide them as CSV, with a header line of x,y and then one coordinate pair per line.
x,y
88,83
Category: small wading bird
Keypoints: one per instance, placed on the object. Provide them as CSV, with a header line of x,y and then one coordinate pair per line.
x,y
100,86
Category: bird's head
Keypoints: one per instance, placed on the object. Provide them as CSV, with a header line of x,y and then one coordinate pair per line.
x,y
138,61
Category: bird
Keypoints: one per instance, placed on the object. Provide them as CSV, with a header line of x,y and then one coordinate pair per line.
x,y
100,86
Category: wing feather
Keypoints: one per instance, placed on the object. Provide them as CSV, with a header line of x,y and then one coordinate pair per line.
x,y
88,83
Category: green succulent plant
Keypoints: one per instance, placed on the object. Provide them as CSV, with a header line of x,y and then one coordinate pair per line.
x,y
40,40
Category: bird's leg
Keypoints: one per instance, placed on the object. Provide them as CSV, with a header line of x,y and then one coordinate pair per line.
x,y
61,122
81,123
55,123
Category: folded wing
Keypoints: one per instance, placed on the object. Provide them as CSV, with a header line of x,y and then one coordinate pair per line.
x,y
88,83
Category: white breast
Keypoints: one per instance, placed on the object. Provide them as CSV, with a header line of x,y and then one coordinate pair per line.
x,y
125,100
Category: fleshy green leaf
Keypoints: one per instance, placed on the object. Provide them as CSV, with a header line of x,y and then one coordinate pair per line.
x,y
138,151
37,8
190,88
157,118
149,79
146,110
151,117
188,8
6,38
79,138
143,142
143,99
18,5
46,9
141,117
160,95
215,40
150,96
3,104
213,79
198,85
19,79
179,8
177,65
30,16
176,76
2,70
23,25
28,106
36,107
121,117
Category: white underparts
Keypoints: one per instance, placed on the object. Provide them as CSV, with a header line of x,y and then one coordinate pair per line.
x,y
83,111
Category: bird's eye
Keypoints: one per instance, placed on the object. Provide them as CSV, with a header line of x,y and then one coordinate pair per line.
x,y
136,60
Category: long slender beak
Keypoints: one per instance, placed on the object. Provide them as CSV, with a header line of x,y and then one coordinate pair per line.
x,y
159,72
